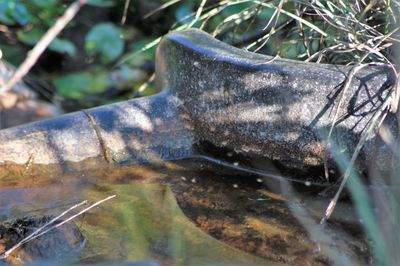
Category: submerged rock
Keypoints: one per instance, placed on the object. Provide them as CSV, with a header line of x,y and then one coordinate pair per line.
x,y
55,245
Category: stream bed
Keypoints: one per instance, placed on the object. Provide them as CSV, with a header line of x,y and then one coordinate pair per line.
x,y
188,212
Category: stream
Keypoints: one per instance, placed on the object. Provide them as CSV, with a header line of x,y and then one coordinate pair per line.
x,y
185,212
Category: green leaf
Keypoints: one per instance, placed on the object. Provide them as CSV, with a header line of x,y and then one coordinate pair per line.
x,y
12,13
5,19
100,82
12,54
63,46
19,13
45,3
105,39
74,85
30,37
101,3
59,45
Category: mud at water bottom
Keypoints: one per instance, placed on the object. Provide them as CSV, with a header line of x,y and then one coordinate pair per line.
x,y
188,212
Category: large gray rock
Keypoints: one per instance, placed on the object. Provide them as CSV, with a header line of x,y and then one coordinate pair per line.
x,y
135,131
253,104
277,109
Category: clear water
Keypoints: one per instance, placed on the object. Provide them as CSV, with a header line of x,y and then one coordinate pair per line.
x,y
190,212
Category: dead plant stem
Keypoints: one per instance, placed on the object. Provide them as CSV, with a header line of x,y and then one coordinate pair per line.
x,y
42,45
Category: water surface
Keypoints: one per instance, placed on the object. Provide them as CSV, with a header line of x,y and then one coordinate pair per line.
x,y
189,212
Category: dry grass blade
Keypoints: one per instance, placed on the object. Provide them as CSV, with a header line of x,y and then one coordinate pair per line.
x,y
268,35
43,43
37,231
289,14
345,87
205,16
366,133
396,99
75,215
132,55
275,16
164,6
302,32
375,121
125,14
336,47
41,231
146,84
236,18
198,13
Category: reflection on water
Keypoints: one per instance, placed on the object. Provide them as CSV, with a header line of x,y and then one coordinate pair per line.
x,y
184,213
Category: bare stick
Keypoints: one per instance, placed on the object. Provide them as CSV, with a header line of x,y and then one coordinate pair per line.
x,y
29,237
43,43
126,7
167,4
347,174
198,13
75,215
39,231
146,84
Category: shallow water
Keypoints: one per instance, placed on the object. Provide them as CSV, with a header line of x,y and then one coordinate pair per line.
x,y
189,212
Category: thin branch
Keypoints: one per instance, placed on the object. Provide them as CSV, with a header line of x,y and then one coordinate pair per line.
x,y
198,13
124,15
164,6
43,43
40,232
360,144
37,231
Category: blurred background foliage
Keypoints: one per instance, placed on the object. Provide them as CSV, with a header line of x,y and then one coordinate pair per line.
x,y
107,52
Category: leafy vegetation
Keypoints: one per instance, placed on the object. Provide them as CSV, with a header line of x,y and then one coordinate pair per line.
x,y
318,31
105,39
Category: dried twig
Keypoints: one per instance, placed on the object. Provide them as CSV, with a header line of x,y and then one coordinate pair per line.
x,y
375,121
40,231
124,15
37,231
198,13
43,43
164,6
275,16
146,84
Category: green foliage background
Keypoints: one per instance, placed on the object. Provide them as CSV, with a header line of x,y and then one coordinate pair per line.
x,y
97,59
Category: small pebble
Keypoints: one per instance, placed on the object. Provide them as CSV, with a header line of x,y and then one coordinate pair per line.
x,y
259,180
194,180
235,185
183,178
307,183
235,163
